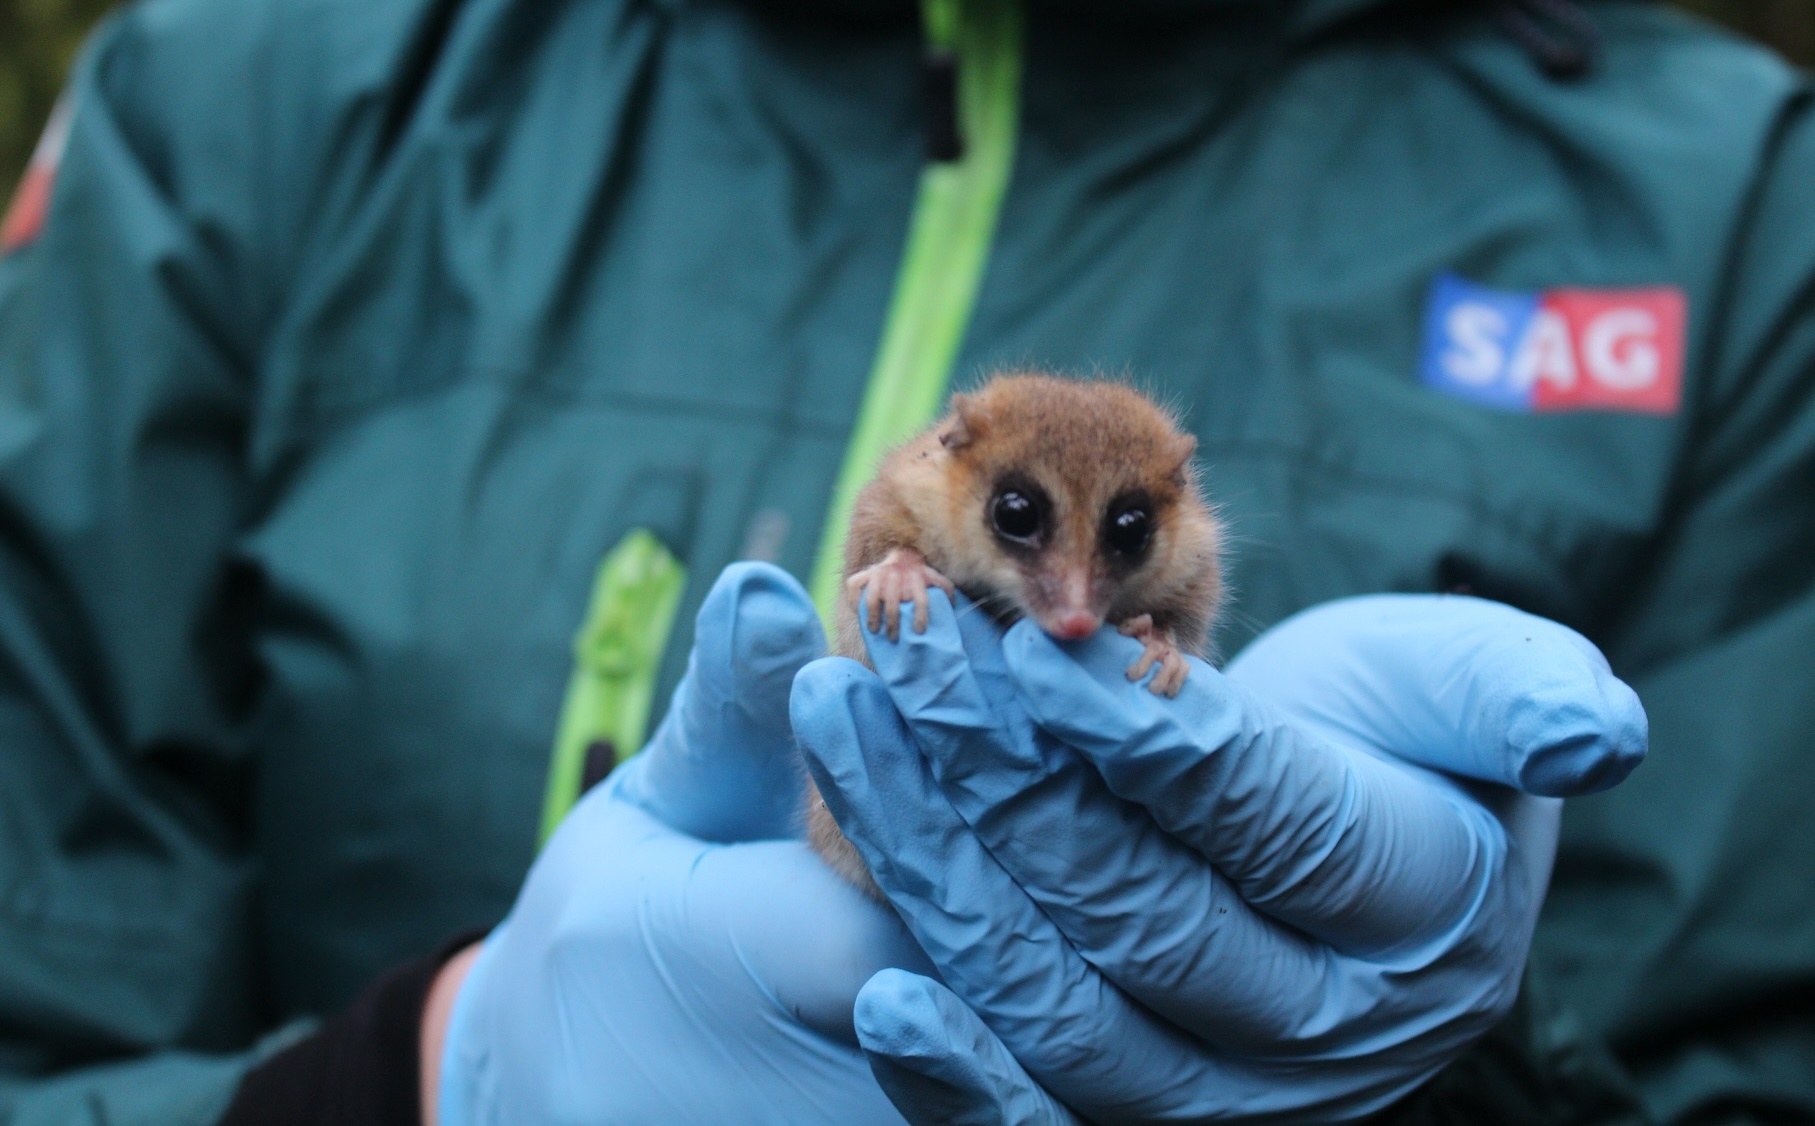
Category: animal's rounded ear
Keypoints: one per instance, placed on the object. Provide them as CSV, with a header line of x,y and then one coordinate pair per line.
x,y
964,424
1183,447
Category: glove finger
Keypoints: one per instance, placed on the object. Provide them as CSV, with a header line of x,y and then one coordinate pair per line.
x,y
1072,1030
1459,684
1533,826
940,1065
1077,1035
1348,849
722,767
1201,957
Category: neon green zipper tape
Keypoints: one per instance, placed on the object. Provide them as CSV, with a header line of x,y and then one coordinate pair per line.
x,y
617,655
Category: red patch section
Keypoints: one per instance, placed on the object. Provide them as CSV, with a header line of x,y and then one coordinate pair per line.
x,y
1624,351
31,203
25,218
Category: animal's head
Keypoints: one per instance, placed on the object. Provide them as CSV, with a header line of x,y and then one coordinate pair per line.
x,y
1075,501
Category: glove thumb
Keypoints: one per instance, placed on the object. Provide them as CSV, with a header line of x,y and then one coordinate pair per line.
x,y
723,767
1458,684
938,1063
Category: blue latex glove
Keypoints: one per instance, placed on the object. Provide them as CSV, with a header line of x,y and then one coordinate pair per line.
x,y
1237,903
673,957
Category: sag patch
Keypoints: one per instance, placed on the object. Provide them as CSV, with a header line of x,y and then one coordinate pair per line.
x,y
31,202
1556,349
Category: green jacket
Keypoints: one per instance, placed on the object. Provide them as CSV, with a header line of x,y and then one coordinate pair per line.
x,y
361,329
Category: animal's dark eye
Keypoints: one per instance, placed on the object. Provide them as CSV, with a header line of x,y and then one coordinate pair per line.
x,y
1129,530
1015,515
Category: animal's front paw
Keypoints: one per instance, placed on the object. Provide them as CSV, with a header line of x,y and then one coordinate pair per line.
x,y
881,588
1157,648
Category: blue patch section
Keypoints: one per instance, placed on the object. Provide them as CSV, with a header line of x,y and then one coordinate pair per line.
x,y
1471,334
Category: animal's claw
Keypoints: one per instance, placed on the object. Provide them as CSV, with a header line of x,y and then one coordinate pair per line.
x,y
903,575
1157,648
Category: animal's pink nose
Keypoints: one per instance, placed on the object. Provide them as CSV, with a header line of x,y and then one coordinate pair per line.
x,y
1073,624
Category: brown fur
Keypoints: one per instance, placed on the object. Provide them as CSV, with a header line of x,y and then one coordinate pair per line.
x,y
1084,444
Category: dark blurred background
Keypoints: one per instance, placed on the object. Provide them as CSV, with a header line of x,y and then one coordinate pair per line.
x,y
38,38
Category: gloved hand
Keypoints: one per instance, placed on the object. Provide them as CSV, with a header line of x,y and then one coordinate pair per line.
x,y
673,956
1237,903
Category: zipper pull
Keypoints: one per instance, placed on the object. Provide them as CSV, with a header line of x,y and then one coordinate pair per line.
x,y
939,86
939,81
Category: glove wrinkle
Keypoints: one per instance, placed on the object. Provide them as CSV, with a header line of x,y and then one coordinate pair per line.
x,y
1270,808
